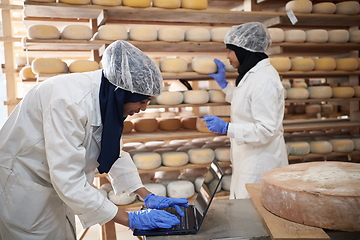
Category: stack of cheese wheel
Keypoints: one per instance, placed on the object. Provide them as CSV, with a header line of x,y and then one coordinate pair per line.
x,y
324,8
324,64
173,65
320,92
218,34
201,155
169,124
83,66
203,65
189,122
197,34
295,36
343,92
281,64
354,36
137,3
299,148
143,33
147,160
79,2
112,32
180,189
166,3
302,64
26,73
175,159
76,32
216,96
145,124
41,31
303,6
338,36
347,64
170,98
171,34
317,194
317,35
348,8
277,35
196,96
194,4
121,199
47,65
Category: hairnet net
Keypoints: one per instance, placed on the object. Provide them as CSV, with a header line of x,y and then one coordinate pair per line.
x,y
252,36
128,68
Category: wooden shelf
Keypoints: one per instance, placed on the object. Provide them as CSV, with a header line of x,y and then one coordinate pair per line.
x,y
300,127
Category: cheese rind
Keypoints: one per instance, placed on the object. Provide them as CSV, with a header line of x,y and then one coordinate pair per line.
x,y
107,2
42,31
302,64
175,159
196,96
320,147
343,92
47,65
145,124
143,33
201,155
348,8
204,65
338,36
197,34
347,64
167,3
173,65
76,32
281,64
83,66
295,36
112,32
147,160
218,34
171,34
169,124
354,36
277,35
325,64
194,4
180,189
297,93
320,92
303,6
137,3
170,98
317,35
324,8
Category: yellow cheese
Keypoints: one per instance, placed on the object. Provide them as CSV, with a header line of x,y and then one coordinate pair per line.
x,y
218,34
79,2
320,147
77,32
357,91
42,31
189,122
128,126
137,3
47,65
338,36
281,64
145,124
169,124
302,64
27,73
324,8
348,8
342,145
171,34
347,64
197,34
295,36
297,93
317,35
299,6
276,34
83,66
175,159
174,65
204,65
194,4
112,32
325,64
343,92
106,2
167,3
143,33
320,92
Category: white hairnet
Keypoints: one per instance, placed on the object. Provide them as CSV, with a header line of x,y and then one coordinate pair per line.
x,y
128,68
252,36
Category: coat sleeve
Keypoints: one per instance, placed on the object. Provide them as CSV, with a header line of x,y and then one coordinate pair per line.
x,y
228,90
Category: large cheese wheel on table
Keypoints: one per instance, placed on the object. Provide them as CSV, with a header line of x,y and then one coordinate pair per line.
x,y
319,194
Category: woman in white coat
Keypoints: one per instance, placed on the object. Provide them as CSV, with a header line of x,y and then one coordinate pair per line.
x,y
65,128
257,107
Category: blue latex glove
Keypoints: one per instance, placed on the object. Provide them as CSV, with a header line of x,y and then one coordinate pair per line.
x,y
215,124
151,218
220,75
160,202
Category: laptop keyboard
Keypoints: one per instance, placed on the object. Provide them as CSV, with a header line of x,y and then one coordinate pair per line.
x,y
184,221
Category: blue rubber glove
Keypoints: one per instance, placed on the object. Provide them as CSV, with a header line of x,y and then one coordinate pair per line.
x,y
220,75
215,124
151,218
160,202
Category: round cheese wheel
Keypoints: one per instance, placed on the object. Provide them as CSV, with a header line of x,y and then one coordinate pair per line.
x,y
302,64
79,2
343,92
286,84
276,34
299,84
131,145
42,31
121,199
175,159
143,33
128,126
201,155
166,3
302,6
169,124
198,183
83,66
354,36
189,122
316,194
297,93
226,182
222,154
338,36
218,34
156,188
325,64
324,7
317,35
348,8
27,73
170,98
295,36
137,3
320,92
47,65
357,91
197,34
180,189
347,64
320,147
106,2
171,34
43,0
196,96
216,96
145,124
201,126
147,160
174,65
77,32
281,64
112,32
342,145
299,148
194,4
204,65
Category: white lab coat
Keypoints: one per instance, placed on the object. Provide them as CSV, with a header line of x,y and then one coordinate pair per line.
x,y
255,131
48,155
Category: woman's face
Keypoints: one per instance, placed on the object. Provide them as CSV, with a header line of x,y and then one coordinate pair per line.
x,y
134,107
230,54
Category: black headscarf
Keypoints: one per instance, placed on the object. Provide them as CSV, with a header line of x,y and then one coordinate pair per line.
x,y
246,59
112,102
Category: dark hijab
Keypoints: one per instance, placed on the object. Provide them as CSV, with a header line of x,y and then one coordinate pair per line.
x,y
246,58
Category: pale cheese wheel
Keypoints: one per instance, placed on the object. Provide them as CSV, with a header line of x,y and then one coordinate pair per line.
x,y
302,64
194,4
47,65
277,35
343,92
171,34
83,66
76,32
320,92
354,36
320,147
324,8
338,36
121,199
226,182
218,34
197,34
342,145
286,84
174,65
175,159
198,183
196,96
348,8
299,6
131,145
222,154
42,31
27,73
228,67
357,91
112,32
107,2
143,33
201,155
180,189
189,122
79,2
128,127
145,124
299,148
347,64
137,3
169,124
147,160
166,3
317,36
295,36
170,98
325,64
356,144
203,65
216,96
281,64
155,188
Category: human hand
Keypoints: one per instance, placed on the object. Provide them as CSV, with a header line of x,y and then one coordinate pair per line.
x,y
160,202
151,218
215,124
220,75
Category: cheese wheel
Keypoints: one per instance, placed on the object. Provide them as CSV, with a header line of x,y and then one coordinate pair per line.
x,y
154,143
170,98
27,73
277,35
338,36
320,92
356,144
174,65
299,148
299,84
121,199
197,34
226,182
169,124
299,6
201,125
216,96
79,2
342,145
147,160
145,124
76,32
128,126
222,154
196,96
131,145
317,35
143,33
320,147
357,91
343,92
171,34
316,194
156,188
47,65
166,3
180,189
295,36
347,64
324,8
42,31
194,4
204,65
348,8
218,34
137,3
325,64
189,122
112,32
354,36
83,66
281,64
175,159
286,84
198,183
302,64
297,93
106,2
201,155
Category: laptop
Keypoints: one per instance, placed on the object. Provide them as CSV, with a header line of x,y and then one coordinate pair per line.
x,y
194,214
